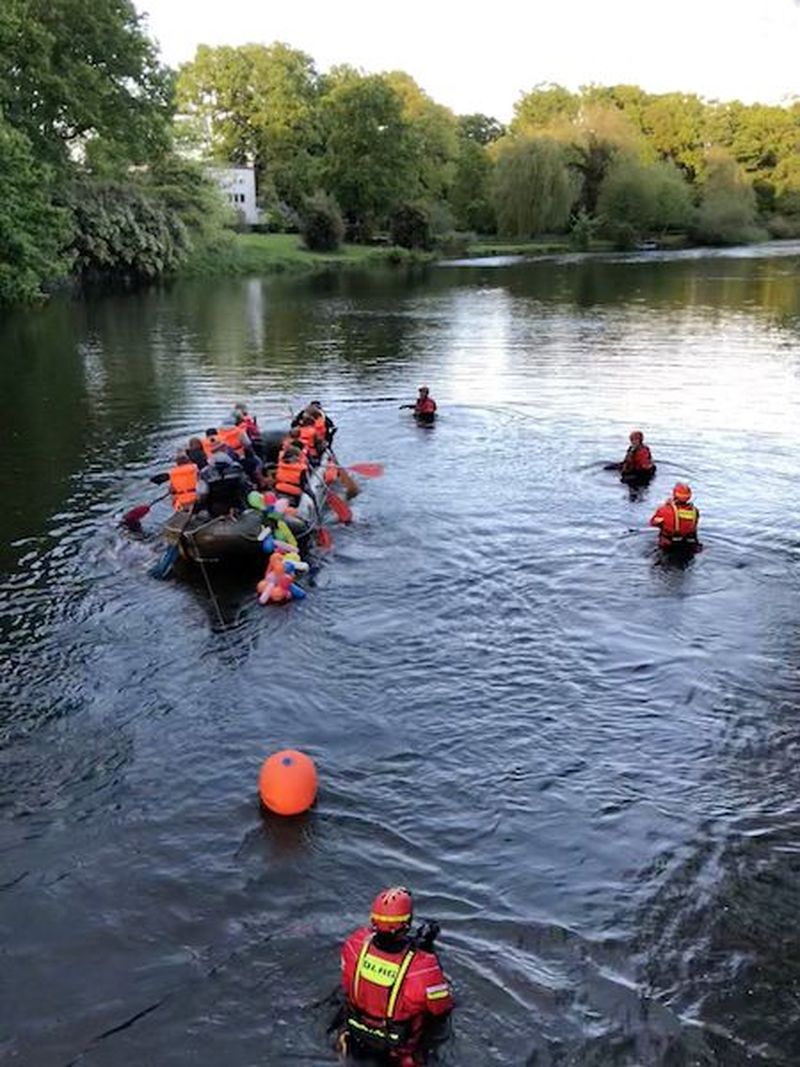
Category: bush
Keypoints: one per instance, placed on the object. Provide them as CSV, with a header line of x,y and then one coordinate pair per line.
x,y
784,227
583,229
410,227
323,226
727,213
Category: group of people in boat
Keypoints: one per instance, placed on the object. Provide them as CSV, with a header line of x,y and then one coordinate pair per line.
x,y
678,518
214,473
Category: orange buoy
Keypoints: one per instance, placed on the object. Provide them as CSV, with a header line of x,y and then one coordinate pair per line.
x,y
287,783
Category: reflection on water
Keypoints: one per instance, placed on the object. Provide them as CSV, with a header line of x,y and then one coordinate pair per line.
x,y
584,763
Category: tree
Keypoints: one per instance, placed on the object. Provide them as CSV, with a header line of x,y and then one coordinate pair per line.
x,y
123,233
636,199
255,104
323,226
543,106
593,140
675,125
727,213
369,161
32,230
471,194
482,129
433,129
74,70
533,189
410,226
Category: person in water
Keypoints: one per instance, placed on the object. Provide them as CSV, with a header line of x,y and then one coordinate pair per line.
x,y
638,462
677,520
425,405
394,986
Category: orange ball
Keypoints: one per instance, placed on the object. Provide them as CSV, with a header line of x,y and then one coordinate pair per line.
x,y
287,783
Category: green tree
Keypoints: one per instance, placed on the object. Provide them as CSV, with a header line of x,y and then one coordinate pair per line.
x,y
543,106
533,189
482,129
370,155
471,194
637,199
323,225
410,226
433,129
123,233
74,70
32,230
727,213
593,140
255,104
675,126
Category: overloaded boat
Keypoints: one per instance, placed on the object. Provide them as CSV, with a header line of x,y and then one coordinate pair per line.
x,y
238,540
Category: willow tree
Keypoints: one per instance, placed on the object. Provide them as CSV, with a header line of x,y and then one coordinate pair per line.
x,y
533,188
727,213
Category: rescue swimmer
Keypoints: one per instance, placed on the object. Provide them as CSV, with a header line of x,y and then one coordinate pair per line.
x,y
396,993
637,466
677,520
424,407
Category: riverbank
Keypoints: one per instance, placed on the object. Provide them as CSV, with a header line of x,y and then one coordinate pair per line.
x,y
276,253
553,245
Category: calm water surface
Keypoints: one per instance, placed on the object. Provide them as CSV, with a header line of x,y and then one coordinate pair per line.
x,y
585,764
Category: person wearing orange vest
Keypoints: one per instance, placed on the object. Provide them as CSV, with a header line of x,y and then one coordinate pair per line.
x,y
395,989
312,443
183,482
677,520
638,462
290,476
235,437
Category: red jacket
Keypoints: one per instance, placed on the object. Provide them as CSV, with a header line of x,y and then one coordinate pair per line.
x,y
426,406
389,994
676,522
638,458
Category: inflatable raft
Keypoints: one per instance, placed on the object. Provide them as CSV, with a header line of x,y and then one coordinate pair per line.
x,y
236,541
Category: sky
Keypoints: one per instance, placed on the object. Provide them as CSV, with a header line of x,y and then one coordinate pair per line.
x,y
481,57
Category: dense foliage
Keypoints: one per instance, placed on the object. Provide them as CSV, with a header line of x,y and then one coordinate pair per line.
x,y
90,184
90,123
323,225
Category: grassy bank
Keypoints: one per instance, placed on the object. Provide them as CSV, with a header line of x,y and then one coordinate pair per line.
x,y
543,246
274,253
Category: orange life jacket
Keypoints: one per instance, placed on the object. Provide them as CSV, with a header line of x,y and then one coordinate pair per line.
x,y
308,435
232,437
183,485
680,521
321,427
289,478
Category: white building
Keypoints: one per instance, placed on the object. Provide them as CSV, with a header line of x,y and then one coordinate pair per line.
x,y
238,186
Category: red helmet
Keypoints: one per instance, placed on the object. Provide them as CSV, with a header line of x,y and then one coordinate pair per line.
x,y
681,493
636,435
392,910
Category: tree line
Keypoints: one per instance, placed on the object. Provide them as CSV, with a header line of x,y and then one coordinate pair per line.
x,y
97,139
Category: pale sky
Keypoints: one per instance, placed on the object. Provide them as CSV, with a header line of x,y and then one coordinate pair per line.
x,y
480,57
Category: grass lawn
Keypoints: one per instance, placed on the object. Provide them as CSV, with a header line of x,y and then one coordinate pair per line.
x,y
272,253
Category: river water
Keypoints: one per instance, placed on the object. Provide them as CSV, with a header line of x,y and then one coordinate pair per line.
x,y
583,762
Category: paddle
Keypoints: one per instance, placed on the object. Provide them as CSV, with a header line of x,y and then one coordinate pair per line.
x,y
350,487
367,470
133,518
324,539
339,507
161,568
